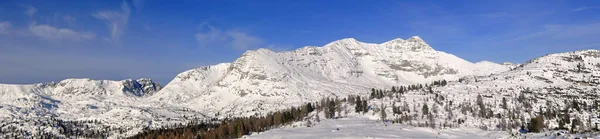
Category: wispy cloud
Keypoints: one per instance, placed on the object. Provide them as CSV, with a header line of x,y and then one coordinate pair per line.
x,y
69,19
580,9
562,32
138,4
241,40
116,21
50,33
5,28
30,10
230,38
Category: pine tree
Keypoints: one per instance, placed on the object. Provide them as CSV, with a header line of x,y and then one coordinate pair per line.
x,y
372,96
482,110
358,107
365,106
504,103
536,124
432,122
331,108
373,92
383,114
574,125
425,109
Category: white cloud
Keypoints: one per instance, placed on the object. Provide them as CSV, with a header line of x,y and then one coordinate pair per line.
x,y
580,9
4,28
50,33
30,10
230,38
214,35
242,41
116,21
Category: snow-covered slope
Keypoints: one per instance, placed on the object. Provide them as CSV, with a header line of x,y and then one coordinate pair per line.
x,y
363,126
261,81
265,79
487,67
579,68
563,83
360,127
562,87
76,90
73,100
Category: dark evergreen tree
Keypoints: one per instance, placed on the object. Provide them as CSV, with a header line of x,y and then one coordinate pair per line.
x,y
536,124
425,109
504,103
358,108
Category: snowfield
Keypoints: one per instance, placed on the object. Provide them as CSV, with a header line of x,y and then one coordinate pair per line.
x,y
364,127
361,127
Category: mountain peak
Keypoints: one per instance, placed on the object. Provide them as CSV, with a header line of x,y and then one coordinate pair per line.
x,y
414,43
396,40
344,44
415,39
344,41
347,40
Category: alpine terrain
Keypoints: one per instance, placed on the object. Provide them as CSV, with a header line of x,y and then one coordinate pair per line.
x,y
404,82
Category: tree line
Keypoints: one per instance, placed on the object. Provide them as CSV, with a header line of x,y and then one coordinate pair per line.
x,y
234,127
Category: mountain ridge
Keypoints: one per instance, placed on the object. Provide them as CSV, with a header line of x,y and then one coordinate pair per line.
x,y
345,64
261,81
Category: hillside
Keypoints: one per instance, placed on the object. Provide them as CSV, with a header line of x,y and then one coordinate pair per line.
x,y
480,95
264,80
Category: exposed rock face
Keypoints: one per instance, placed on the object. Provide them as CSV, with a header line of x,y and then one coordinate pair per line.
x,y
141,87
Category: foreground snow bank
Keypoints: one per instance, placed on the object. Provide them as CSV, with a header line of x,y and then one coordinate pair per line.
x,y
365,127
362,127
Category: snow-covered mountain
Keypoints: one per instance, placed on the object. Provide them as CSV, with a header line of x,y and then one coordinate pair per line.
x,y
78,90
57,98
264,79
72,100
561,88
563,83
261,81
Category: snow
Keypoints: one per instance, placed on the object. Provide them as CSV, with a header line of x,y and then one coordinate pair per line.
x,y
361,127
281,80
261,81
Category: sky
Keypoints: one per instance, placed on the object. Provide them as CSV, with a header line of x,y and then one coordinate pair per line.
x,y
42,41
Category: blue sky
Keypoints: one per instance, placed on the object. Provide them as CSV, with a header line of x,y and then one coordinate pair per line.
x,y
43,40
